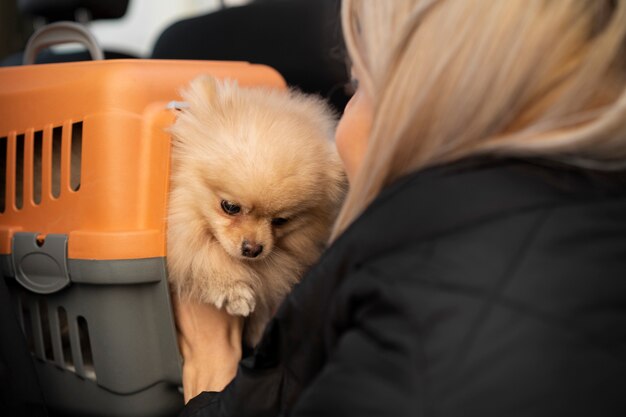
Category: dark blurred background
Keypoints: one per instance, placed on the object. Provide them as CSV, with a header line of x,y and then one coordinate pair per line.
x,y
15,28
300,38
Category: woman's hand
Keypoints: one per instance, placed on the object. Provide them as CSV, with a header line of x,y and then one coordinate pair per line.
x,y
210,343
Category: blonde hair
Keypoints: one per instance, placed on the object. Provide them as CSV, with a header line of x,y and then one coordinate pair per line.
x,y
455,78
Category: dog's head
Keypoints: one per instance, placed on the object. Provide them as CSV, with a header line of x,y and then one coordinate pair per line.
x,y
259,167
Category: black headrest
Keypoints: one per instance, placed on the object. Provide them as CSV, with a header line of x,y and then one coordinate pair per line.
x,y
53,10
300,38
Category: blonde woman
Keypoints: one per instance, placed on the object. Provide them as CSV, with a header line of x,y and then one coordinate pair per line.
x,y
478,267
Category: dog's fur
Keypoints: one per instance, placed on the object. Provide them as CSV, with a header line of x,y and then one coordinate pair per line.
x,y
271,153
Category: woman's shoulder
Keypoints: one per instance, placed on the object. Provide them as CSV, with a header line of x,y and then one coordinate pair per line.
x,y
446,197
477,217
476,213
512,231
487,180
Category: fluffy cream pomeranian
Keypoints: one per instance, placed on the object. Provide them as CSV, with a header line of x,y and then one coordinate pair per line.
x,y
255,186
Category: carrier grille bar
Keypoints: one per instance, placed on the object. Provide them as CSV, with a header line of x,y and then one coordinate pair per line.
x,y
54,337
32,164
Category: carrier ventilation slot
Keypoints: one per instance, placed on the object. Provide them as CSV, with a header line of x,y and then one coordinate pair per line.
x,y
57,142
45,330
35,152
3,172
68,362
27,322
76,159
51,337
19,171
37,165
85,349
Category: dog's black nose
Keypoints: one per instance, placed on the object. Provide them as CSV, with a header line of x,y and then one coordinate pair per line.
x,y
251,250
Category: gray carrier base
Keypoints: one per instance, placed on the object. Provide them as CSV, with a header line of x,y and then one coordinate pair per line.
x,y
101,332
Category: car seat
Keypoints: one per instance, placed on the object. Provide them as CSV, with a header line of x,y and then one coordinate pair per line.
x,y
299,38
69,10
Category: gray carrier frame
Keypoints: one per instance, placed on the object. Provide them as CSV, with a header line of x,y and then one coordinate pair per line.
x,y
102,332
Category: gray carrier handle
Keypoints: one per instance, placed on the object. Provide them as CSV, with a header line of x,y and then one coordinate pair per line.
x,y
59,33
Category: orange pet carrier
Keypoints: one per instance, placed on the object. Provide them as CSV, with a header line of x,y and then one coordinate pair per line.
x,y
83,194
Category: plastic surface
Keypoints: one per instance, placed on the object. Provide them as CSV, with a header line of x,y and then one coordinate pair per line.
x,y
116,110
40,266
83,193
60,33
104,350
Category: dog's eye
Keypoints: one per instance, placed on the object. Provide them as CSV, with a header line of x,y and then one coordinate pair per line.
x,y
230,208
279,221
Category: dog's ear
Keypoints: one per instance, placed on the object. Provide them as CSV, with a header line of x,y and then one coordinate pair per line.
x,y
206,84
202,91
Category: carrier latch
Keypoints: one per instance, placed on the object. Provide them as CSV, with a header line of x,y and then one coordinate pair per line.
x,y
40,265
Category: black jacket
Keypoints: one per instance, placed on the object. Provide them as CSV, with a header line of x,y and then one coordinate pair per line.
x,y
490,289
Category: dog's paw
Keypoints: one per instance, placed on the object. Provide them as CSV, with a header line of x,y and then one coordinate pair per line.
x,y
240,301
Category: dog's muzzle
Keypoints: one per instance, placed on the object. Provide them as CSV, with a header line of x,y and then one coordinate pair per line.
x,y
251,249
